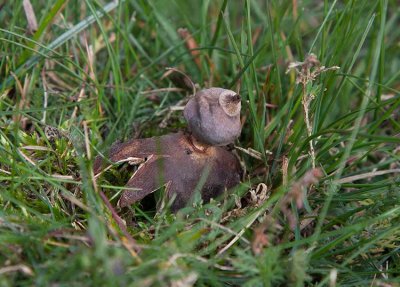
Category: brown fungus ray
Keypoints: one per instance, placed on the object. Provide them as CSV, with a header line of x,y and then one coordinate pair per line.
x,y
174,161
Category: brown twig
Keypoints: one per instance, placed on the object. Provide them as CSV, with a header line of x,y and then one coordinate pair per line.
x,y
191,45
121,225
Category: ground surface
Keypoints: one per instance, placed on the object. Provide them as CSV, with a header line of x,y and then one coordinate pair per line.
x,y
77,75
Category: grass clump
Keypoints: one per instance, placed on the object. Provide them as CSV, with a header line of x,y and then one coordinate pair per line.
x,y
319,201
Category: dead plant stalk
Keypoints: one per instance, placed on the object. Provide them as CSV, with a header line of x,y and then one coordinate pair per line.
x,y
306,73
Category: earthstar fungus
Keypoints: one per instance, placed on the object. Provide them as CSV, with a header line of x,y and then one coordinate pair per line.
x,y
178,161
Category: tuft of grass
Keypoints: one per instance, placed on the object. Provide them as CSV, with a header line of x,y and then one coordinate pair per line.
x,y
93,73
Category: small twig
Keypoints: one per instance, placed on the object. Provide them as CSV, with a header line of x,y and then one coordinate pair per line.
x,y
87,142
306,73
285,168
36,147
80,97
23,102
45,96
62,177
162,90
251,152
366,175
5,171
215,224
237,237
121,225
170,70
27,158
14,268
178,107
306,100
130,160
75,201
